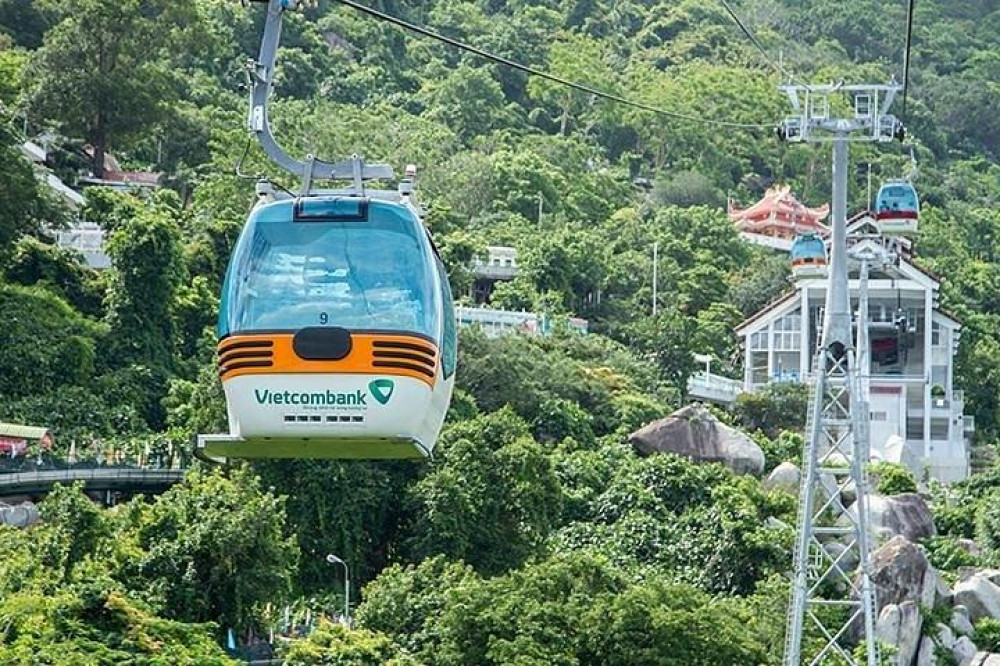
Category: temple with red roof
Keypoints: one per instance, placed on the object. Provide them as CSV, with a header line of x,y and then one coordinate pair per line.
x,y
778,218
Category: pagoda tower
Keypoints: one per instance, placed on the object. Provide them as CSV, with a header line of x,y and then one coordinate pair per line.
x,y
778,218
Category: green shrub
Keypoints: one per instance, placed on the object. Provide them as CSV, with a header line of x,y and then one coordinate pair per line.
x,y
893,479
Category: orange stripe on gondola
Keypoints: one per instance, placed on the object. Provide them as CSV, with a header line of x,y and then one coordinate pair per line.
x,y
272,353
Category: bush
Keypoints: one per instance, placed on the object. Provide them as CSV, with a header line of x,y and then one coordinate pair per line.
x,y
893,479
786,447
988,634
774,408
946,555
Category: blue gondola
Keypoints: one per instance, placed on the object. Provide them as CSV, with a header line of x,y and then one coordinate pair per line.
x,y
897,208
336,333
808,256
336,325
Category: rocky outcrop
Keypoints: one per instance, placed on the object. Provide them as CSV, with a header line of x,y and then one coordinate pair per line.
x,y
900,515
693,432
965,651
899,572
960,621
900,626
979,596
925,655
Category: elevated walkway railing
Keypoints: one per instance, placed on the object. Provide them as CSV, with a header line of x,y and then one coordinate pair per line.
x,y
94,478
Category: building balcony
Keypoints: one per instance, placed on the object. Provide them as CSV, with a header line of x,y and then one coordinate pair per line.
x,y
493,272
714,388
500,264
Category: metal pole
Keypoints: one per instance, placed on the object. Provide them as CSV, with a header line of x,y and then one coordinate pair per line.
x,y
656,258
347,594
837,318
868,205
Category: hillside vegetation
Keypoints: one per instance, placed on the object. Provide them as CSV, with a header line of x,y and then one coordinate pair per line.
x,y
535,536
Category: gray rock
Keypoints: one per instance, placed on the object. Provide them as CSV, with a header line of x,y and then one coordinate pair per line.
x,y
945,636
906,515
985,659
964,651
848,562
979,596
909,632
960,621
784,477
887,626
693,432
22,515
969,546
925,656
849,494
935,591
898,572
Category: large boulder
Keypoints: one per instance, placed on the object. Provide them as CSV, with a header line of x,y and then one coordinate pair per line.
x,y
695,433
900,626
906,514
965,651
24,514
985,659
960,621
899,572
925,656
980,596
785,477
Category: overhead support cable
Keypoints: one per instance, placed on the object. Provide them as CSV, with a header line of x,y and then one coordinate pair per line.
x,y
420,30
778,67
906,56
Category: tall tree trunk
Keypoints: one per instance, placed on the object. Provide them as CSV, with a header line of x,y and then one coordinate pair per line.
x,y
99,143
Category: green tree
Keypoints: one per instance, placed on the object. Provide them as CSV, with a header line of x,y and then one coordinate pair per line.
x,y
100,73
333,644
491,498
148,270
59,270
210,549
46,344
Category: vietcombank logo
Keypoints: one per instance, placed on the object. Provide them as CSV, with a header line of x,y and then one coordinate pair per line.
x,y
380,389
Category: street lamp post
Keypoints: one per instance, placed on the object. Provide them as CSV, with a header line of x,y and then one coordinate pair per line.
x,y
333,559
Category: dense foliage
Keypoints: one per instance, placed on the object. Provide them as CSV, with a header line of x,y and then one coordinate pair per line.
x,y
535,536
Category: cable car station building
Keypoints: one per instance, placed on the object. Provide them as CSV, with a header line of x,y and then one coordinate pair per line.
x,y
917,412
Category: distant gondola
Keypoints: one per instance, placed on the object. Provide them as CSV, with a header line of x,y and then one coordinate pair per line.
x,y
897,208
808,256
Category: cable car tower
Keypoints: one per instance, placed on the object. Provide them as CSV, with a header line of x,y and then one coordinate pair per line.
x,y
837,419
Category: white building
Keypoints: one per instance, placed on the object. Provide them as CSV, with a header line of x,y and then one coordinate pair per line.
x,y
496,322
913,344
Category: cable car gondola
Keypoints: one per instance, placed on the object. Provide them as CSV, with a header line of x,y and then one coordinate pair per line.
x,y
897,208
336,333
808,256
336,324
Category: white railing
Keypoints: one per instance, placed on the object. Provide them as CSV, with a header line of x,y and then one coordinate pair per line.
x,y
714,387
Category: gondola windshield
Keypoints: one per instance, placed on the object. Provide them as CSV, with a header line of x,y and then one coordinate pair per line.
x,y
897,197
373,274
